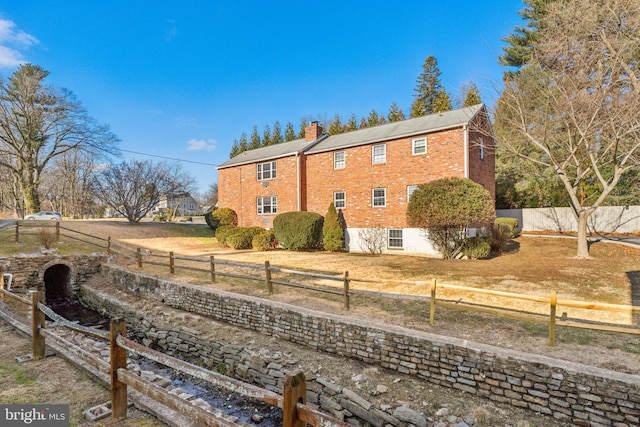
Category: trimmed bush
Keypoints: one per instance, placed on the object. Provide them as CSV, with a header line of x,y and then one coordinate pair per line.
x,y
512,223
500,235
242,237
223,232
221,217
263,241
477,247
332,232
298,231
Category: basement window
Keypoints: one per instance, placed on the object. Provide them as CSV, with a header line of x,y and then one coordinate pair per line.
x,y
394,239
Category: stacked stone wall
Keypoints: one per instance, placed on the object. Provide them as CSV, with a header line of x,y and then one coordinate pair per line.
x,y
569,392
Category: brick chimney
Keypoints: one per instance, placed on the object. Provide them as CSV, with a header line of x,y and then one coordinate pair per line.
x,y
312,132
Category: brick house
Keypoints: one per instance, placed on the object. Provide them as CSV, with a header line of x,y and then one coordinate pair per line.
x,y
369,174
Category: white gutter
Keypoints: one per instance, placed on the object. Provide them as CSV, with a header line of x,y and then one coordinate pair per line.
x,y
465,129
298,186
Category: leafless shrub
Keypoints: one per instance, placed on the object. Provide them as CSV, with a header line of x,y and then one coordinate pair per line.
x,y
46,237
372,240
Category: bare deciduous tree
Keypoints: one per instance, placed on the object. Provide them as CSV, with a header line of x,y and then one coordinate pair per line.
x,y
134,188
39,123
575,107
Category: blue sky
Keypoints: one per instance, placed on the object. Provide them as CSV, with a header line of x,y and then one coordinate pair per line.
x,y
184,79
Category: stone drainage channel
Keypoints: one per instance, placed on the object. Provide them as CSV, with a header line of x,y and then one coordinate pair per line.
x,y
198,393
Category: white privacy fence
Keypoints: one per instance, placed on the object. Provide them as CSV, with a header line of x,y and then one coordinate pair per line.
x,y
606,219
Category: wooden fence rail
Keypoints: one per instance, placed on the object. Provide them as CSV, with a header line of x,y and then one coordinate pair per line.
x,y
292,401
266,274
58,233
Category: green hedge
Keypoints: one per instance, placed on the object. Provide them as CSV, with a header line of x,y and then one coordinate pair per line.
x,y
298,230
242,237
477,247
221,217
512,223
263,241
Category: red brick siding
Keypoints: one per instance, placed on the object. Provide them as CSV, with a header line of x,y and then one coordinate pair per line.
x,y
444,157
482,171
239,189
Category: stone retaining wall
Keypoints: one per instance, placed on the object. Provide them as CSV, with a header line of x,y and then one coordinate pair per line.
x,y
570,392
28,270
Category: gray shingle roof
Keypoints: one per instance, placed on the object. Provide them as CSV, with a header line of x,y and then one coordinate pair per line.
x,y
420,125
271,152
400,129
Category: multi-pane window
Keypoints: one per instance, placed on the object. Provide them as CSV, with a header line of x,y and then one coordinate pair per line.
x,y
339,160
379,196
419,146
340,199
266,170
379,154
267,205
410,190
394,238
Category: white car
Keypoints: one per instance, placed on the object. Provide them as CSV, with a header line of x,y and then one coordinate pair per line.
x,y
56,216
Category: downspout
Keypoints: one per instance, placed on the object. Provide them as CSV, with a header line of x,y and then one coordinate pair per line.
x,y
465,129
298,186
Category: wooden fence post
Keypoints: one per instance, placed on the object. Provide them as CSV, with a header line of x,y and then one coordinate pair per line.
x,y
345,292
432,303
295,390
118,360
2,277
57,231
17,231
267,270
172,263
552,318
213,269
139,258
108,245
37,322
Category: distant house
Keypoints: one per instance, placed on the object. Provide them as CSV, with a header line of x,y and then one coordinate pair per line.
x,y
183,203
369,174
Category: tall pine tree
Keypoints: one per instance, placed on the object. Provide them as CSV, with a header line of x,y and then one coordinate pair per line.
x,y
471,96
255,139
276,135
428,86
266,136
442,102
336,126
395,113
289,132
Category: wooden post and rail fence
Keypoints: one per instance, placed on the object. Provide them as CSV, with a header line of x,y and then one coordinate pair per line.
x,y
174,262
295,412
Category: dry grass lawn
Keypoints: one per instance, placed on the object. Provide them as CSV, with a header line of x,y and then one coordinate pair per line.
x,y
530,266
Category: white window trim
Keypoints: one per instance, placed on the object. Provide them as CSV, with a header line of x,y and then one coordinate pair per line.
x,y
410,190
273,202
401,238
373,155
344,160
373,198
260,172
413,146
344,200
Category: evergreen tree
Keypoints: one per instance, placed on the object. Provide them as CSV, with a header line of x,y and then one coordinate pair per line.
x,y
255,139
243,145
442,102
373,119
523,39
332,231
266,136
352,124
427,88
235,149
336,126
303,125
395,113
276,135
289,132
363,123
472,96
